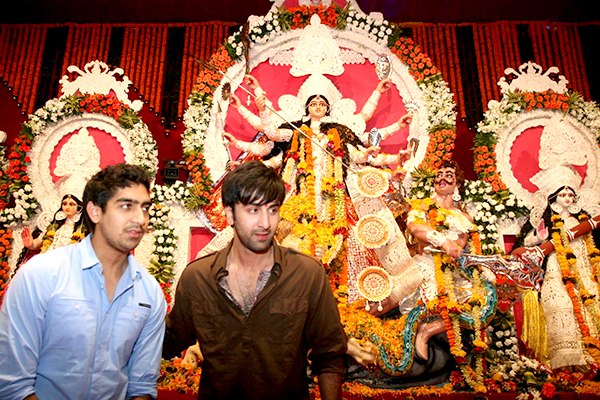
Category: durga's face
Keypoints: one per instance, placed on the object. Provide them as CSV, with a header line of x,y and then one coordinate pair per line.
x,y
318,108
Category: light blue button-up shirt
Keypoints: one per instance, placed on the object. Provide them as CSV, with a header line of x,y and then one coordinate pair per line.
x,y
61,338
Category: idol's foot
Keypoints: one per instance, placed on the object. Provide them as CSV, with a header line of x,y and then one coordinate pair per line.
x,y
425,331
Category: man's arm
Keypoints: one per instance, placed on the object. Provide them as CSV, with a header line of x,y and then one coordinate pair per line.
x,y
428,235
326,338
144,362
21,330
330,386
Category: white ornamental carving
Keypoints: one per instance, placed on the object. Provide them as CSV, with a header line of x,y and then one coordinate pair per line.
x,y
317,51
531,78
97,77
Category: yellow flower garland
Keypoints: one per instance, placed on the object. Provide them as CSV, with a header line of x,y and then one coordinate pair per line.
x,y
48,238
324,233
446,304
571,279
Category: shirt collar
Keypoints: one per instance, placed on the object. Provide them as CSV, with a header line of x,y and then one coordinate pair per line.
x,y
90,260
220,262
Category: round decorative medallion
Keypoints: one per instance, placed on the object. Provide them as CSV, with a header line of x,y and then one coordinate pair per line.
x,y
372,182
372,231
374,283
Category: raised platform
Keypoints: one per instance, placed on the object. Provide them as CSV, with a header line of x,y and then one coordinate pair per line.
x,y
173,395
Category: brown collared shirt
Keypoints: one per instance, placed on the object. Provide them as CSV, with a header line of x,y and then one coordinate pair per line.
x,y
262,355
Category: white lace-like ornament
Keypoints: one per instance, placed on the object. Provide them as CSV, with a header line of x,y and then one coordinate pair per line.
x,y
372,182
550,180
77,161
561,144
531,78
372,231
374,284
317,51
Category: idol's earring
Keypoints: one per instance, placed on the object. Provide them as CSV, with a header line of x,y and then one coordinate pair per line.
x,y
556,207
456,195
575,208
60,215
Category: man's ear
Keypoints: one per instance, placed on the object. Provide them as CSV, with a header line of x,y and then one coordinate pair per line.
x,y
94,212
229,215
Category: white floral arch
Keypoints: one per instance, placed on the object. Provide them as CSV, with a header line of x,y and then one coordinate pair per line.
x,y
360,38
532,98
358,44
36,194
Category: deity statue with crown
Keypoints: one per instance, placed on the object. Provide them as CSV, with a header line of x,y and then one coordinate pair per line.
x,y
569,293
294,101
336,173
546,154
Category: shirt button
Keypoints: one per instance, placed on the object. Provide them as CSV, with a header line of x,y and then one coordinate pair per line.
x,y
77,306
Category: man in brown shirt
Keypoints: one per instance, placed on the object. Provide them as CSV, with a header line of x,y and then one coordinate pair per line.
x,y
259,311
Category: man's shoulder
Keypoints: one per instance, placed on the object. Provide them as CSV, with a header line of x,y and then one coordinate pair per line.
x,y
52,259
206,260
294,257
202,265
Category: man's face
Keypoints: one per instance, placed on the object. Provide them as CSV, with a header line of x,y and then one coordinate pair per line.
x,y
254,225
445,181
124,221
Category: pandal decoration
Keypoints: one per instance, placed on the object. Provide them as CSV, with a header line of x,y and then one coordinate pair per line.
x,y
582,300
372,182
372,231
374,284
394,338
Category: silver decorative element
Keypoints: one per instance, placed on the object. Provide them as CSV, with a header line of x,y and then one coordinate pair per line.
x,y
412,106
383,67
374,137
526,273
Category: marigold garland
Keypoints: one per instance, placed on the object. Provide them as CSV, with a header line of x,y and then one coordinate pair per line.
x,y
324,232
570,275
48,238
178,376
5,251
446,304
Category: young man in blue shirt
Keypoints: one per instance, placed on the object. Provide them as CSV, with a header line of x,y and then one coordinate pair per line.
x,y
86,321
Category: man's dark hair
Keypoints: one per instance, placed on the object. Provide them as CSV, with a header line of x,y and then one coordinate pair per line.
x,y
252,183
105,183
